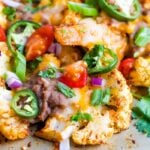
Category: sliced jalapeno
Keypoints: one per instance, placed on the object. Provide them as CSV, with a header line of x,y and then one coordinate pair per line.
x,y
25,104
100,60
142,37
16,37
83,9
116,10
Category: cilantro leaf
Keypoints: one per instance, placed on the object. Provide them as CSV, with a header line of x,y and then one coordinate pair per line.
x,y
142,115
143,125
144,106
81,116
49,73
100,97
9,12
64,89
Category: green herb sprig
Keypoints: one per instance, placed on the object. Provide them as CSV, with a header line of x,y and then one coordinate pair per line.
x,y
79,116
64,89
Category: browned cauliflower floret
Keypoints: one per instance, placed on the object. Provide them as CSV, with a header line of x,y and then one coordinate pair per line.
x,y
55,130
11,126
140,76
107,121
88,32
121,100
96,131
4,58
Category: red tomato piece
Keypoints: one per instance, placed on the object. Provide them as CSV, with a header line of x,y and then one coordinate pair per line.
x,y
126,66
39,42
2,35
75,75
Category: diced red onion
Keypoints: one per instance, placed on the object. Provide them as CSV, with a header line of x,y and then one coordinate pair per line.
x,y
55,48
11,3
64,145
13,81
98,81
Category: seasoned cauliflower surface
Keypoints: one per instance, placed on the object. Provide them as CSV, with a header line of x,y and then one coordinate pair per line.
x,y
121,99
4,58
87,33
140,76
96,131
56,130
107,121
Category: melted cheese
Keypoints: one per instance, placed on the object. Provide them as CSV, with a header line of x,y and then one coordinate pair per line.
x,y
85,98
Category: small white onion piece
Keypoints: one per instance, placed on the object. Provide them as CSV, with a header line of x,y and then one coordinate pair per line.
x,y
64,145
11,3
12,80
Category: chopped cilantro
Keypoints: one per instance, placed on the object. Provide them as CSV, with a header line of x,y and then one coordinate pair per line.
x,y
9,12
100,97
49,73
81,116
64,89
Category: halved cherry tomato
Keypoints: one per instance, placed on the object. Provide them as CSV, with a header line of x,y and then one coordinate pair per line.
x,y
75,75
2,35
126,66
39,42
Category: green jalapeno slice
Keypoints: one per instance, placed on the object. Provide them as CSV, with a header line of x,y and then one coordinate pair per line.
x,y
116,10
25,104
100,60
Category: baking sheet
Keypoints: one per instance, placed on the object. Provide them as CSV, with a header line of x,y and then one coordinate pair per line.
x,y
127,140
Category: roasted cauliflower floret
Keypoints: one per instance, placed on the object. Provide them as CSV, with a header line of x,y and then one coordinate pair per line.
x,y
11,126
4,58
71,18
96,131
55,130
3,20
140,76
87,33
121,100
107,121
